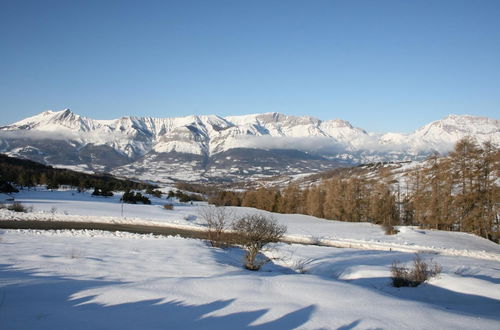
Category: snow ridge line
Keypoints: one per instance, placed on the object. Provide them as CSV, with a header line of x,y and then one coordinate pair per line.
x,y
381,246
291,238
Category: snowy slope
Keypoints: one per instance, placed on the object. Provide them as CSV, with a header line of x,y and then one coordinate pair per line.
x,y
102,280
72,206
94,280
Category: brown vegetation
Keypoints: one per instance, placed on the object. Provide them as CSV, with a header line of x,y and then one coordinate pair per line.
x,y
168,206
217,219
420,272
254,232
459,193
18,207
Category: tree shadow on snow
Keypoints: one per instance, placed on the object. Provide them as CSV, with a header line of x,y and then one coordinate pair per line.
x,y
340,263
494,280
234,256
28,301
350,326
451,301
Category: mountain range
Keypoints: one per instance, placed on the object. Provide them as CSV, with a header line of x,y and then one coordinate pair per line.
x,y
201,148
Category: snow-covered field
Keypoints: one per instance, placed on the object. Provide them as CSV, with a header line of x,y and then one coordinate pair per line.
x,y
102,280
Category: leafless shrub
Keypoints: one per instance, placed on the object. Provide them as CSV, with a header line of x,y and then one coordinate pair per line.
x,y
190,217
53,211
18,207
76,254
389,229
217,219
302,265
420,272
315,240
254,232
168,206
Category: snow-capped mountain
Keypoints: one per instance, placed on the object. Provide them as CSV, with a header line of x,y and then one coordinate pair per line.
x,y
234,147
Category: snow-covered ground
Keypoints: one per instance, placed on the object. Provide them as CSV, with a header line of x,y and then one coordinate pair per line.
x,y
102,280
72,206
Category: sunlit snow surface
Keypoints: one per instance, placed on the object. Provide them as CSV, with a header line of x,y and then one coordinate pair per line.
x,y
102,280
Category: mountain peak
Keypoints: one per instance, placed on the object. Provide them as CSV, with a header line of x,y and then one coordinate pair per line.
x,y
129,144
54,112
466,122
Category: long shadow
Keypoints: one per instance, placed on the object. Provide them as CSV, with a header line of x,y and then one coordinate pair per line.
x,y
349,326
234,256
494,280
451,301
28,301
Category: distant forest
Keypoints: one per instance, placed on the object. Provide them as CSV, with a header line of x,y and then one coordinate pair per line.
x,y
27,174
459,192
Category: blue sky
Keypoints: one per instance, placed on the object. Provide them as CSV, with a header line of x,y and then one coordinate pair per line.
x,y
382,65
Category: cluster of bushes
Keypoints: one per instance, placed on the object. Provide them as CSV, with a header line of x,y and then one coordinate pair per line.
x,y
102,192
131,197
183,197
16,207
153,192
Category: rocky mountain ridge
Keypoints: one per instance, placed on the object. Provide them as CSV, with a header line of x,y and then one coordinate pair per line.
x,y
198,148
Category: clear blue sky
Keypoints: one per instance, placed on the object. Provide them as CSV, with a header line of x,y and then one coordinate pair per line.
x,y
383,65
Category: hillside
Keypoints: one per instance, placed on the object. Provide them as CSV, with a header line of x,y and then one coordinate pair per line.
x,y
27,174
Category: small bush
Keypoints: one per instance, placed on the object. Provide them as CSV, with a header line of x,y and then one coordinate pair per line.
x,y
102,192
254,232
75,254
17,207
6,187
169,207
133,198
389,229
154,192
183,197
412,277
302,265
217,220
